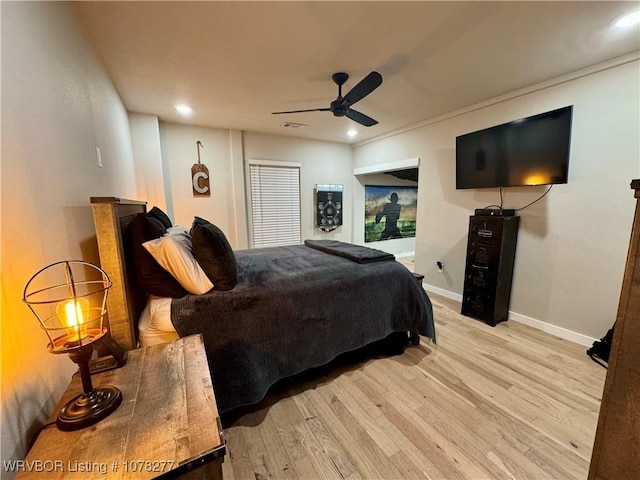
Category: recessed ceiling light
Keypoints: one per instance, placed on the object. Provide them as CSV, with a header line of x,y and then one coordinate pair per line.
x,y
184,109
352,133
627,20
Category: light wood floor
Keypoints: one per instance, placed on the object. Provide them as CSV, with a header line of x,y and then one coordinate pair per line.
x,y
508,402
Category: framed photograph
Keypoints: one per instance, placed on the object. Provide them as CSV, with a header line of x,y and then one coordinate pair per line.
x,y
389,212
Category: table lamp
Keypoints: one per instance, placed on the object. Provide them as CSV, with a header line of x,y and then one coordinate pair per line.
x,y
69,299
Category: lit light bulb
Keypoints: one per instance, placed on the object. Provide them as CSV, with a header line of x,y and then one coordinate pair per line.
x,y
74,315
185,110
537,179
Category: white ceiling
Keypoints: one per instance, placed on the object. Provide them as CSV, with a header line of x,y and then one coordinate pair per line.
x,y
236,62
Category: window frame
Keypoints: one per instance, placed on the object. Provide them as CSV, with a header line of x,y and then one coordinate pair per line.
x,y
250,206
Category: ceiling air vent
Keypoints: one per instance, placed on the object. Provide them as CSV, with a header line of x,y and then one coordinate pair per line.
x,y
294,125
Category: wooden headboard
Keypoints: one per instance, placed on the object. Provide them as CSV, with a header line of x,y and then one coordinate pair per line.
x,y
111,216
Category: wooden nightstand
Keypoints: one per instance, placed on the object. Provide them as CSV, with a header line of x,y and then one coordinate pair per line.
x,y
167,425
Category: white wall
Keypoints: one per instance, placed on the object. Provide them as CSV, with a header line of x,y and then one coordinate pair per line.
x,y
58,104
226,154
180,153
321,162
572,245
239,198
147,155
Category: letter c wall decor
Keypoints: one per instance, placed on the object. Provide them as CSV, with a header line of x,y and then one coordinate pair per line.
x,y
200,177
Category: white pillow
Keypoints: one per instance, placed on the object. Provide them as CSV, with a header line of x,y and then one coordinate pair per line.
x,y
173,252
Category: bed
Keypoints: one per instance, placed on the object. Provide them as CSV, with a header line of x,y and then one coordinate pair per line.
x,y
293,308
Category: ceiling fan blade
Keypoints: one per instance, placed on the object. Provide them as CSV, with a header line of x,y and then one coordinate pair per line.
x,y
361,118
367,85
300,111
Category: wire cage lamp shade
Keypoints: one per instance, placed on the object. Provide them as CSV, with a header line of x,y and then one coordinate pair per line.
x,y
69,299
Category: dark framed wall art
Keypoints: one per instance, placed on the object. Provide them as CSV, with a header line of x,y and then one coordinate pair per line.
x,y
389,212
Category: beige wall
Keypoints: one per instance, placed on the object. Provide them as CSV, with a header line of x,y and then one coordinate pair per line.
x,y
179,152
572,245
147,155
321,163
226,154
58,104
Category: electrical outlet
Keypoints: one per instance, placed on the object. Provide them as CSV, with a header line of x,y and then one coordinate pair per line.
x,y
99,156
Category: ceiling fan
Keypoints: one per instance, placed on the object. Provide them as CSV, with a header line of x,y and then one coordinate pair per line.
x,y
341,106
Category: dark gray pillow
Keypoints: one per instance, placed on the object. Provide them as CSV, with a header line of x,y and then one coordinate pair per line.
x,y
214,254
149,276
158,214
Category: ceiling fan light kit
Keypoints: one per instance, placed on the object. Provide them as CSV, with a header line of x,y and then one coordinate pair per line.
x,y
341,106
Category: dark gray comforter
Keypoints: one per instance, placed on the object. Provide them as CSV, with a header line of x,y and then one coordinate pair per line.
x,y
295,308
356,253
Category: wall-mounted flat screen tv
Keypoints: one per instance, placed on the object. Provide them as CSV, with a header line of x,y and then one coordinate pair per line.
x,y
529,151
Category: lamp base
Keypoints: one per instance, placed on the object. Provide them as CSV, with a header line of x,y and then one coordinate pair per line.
x,y
87,409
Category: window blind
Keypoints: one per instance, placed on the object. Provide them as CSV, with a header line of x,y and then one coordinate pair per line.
x,y
275,205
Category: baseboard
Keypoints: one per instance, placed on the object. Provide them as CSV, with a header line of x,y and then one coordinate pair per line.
x,y
570,335
442,292
404,254
561,332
